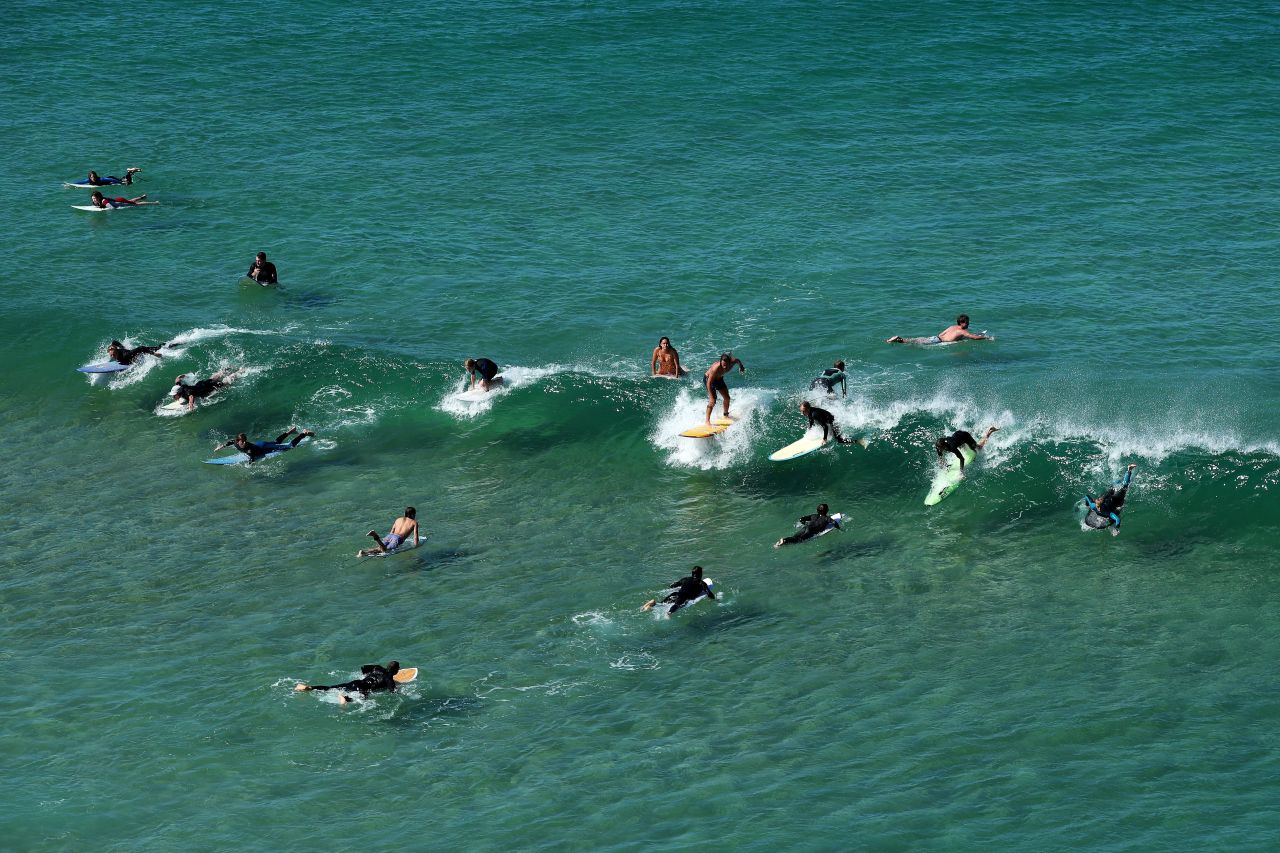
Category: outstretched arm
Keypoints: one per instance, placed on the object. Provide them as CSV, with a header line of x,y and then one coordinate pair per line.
x,y
990,430
742,368
965,333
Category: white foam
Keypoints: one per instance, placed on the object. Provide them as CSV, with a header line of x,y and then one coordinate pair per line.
x,y
512,378
729,447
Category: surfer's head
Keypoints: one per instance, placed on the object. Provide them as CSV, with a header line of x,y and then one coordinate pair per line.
x,y
726,358
242,439
941,446
664,341
93,177
805,408
393,667
262,256
410,512
839,365
96,196
822,509
962,320
697,572
114,347
469,364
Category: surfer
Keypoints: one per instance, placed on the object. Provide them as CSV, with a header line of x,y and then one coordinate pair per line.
x,y
487,370
109,180
686,590
959,439
184,393
810,526
97,199
960,331
1107,508
375,678
401,528
824,419
665,360
121,354
714,380
827,381
262,270
255,450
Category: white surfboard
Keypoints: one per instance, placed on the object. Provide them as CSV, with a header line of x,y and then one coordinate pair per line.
x,y
711,585
806,445
93,208
177,407
104,367
404,548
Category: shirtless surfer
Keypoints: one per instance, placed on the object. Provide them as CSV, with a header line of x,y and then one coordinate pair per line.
x,y
665,360
958,332
403,527
714,382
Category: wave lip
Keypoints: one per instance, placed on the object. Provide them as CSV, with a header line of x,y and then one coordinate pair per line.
x,y
734,445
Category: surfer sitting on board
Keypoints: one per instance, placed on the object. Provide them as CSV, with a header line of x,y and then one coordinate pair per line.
x,y
686,590
823,418
714,380
827,381
665,360
184,393
99,200
1109,505
262,270
257,449
959,439
374,678
486,369
121,354
401,529
810,526
95,181
950,334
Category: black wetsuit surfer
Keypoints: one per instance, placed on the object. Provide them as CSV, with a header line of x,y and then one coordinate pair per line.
x,y
810,526
830,378
121,354
199,390
826,420
686,590
486,368
1105,512
262,270
255,450
374,678
960,439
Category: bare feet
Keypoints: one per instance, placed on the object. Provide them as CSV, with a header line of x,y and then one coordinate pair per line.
x,y
648,605
896,339
342,700
300,687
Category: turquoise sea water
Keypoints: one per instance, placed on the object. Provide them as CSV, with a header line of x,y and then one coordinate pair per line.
x,y
555,186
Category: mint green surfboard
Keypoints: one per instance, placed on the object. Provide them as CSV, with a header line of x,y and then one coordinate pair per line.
x,y
948,479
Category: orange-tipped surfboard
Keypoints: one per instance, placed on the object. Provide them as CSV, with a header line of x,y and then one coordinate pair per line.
x,y
405,675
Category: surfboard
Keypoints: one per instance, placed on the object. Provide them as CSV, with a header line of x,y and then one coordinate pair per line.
x,y
711,585
803,447
837,522
239,458
85,185
948,479
93,208
104,367
718,425
475,395
177,406
404,548
406,674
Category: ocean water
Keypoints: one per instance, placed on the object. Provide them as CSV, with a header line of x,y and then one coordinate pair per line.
x,y
556,185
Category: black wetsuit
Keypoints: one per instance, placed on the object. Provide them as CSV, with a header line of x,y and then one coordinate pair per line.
x,y
127,356
829,379
686,590
957,440
1107,508
813,525
487,369
827,421
199,390
263,273
255,450
376,678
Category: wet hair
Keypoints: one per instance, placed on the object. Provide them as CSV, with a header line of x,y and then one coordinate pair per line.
x,y
839,365
393,667
697,571
804,404
664,338
93,175
822,509
97,194
941,446
242,436
726,356
469,363
410,512
115,344
262,256
962,319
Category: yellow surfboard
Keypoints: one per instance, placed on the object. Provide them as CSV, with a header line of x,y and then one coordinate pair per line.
x,y
405,675
718,425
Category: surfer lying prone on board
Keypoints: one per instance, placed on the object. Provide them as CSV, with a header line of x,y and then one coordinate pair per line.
x,y
686,590
401,529
257,449
665,360
1107,508
109,180
830,377
714,382
375,679
824,419
810,526
99,200
486,369
184,393
959,439
262,270
121,354
958,332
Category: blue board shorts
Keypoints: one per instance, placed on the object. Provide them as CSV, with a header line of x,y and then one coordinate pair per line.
x,y
393,541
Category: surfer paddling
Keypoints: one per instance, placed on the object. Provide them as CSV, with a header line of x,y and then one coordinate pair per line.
x,y
958,332
959,439
714,381
99,200
262,270
483,370
830,377
810,526
255,450
121,354
665,360
826,420
111,180
375,678
686,590
188,393
401,529
1107,508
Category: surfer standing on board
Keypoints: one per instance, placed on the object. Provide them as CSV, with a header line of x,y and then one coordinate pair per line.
x,y
686,590
959,439
257,450
958,332
665,360
714,380
487,370
824,419
262,270
401,529
374,678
